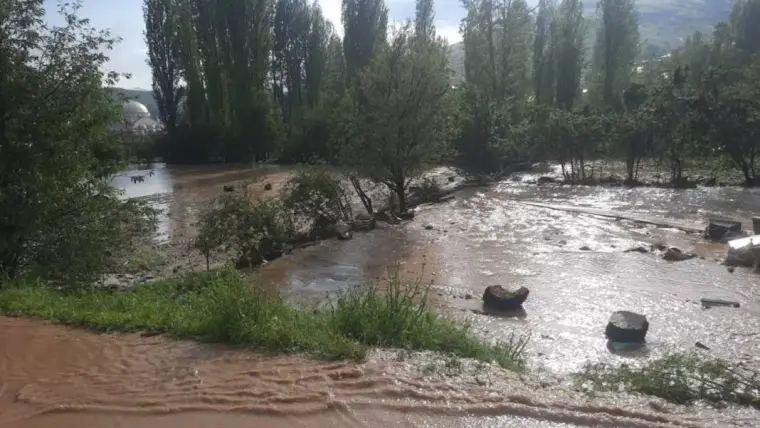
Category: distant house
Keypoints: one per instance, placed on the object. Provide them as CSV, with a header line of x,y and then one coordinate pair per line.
x,y
136,123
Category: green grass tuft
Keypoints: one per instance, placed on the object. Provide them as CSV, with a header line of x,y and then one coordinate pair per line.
x,y
678,378
219,306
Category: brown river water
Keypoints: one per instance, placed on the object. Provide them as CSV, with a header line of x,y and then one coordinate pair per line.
x,y
51,376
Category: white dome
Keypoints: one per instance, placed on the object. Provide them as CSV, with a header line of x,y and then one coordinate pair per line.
x,y
134,110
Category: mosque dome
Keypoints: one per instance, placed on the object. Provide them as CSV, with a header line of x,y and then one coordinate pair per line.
x,y
134,111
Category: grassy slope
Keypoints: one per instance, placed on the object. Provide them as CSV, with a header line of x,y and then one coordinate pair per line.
x,y
220,307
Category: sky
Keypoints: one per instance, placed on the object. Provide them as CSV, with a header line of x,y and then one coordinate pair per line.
x,y
124,19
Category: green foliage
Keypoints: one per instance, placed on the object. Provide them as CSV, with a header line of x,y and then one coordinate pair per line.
x,y
219,306
617,44
365,25
399,317
250,230
678,378
60,217
402,106
317,197
163,57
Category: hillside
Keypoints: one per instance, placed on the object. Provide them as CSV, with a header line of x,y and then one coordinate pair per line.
x,y
663,24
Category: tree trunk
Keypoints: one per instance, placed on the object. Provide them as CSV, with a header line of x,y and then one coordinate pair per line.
x,y
401,193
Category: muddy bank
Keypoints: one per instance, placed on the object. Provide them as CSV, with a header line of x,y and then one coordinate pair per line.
x,y
54,375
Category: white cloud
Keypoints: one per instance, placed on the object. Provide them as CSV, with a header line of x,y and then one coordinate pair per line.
x,y
449,31
331,9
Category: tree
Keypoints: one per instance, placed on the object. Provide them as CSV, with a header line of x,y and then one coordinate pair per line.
x,y
402,107
615,51
163,57
424,25
365,25
59,216
571,35
543,53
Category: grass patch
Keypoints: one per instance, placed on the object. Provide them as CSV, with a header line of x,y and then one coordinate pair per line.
x,y
219,306
678,378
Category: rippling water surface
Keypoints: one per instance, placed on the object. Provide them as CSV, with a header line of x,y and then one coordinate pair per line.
x,y
52,376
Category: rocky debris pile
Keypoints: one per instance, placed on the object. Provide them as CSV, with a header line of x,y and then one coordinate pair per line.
x,y
723,230
502,299
627,327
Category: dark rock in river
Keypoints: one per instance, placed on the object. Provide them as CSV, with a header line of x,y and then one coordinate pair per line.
x,y
756,225
674,254
546,180
229,188
406,215
268,186
585,248
723,230
638,249
341,230
627,327
709,303
498,297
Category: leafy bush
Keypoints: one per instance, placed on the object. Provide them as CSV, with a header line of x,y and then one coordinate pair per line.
x,y
251,230
59,216
317,198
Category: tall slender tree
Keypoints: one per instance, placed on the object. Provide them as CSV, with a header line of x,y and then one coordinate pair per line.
x,y
569,55
365,25
162,39
617,45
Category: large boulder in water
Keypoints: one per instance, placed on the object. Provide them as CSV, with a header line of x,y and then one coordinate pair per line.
x,y
341,230
500,298
627,327
723,230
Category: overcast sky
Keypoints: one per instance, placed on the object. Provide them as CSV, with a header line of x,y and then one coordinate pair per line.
x,y
124,19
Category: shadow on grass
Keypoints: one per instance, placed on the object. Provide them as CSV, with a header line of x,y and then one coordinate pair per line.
x,y
219,306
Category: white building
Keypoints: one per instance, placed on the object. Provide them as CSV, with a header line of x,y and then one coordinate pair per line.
x,y
136,121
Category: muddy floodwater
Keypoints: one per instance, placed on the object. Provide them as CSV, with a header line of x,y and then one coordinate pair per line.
x,y
574,265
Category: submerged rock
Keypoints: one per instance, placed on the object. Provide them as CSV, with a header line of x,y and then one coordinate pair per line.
x,y
637,249
627,327
341,230
585,248
722,230
709,303
546,180
674,254
500,298
229,188
268,186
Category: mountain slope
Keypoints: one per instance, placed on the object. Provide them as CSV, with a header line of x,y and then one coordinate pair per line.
x,y
663,23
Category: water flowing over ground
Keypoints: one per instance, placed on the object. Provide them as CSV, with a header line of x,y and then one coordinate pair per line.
x,y
55,376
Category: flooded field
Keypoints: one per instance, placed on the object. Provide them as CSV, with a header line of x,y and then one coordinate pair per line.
x,y
574,265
